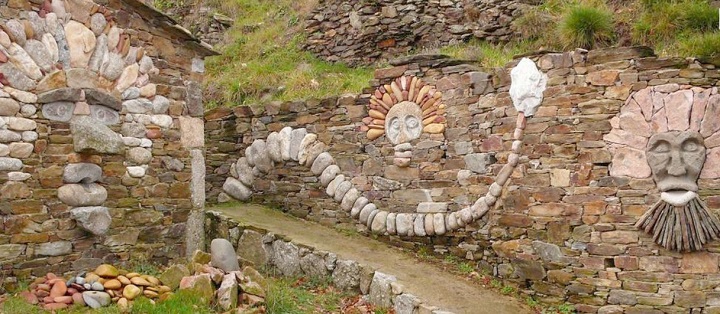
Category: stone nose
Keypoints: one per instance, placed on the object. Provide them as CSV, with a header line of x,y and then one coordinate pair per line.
x,y
676,166
403,136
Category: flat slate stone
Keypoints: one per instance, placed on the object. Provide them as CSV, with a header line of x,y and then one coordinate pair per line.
x,y
61,94
98,97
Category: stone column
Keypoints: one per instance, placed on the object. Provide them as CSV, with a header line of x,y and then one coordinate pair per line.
x,y
192,137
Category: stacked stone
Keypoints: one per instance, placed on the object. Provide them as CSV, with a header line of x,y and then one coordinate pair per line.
x,y
95,289
563,227
218,279
264,249
71,71
363,32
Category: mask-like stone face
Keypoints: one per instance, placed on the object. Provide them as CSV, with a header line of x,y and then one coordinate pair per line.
x,y
676,159
403,123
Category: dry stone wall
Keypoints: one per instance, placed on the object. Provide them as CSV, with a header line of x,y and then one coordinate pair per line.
x,y
563,228
101,157
361,32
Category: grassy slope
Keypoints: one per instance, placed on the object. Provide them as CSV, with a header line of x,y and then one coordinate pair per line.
x,y
264,61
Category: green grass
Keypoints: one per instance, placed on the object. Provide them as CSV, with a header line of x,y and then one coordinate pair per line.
x,y
586,26
300,295
485,54
663,21
264,61
703,45
183,302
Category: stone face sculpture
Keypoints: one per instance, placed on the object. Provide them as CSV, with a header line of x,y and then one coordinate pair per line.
x,y
528,85
676,159
402,111
662,131
399,120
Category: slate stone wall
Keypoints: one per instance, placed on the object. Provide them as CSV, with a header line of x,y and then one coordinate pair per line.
x,y
563,227
361,32
146,75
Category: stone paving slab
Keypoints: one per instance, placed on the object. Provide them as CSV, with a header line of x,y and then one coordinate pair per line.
x,y
424,280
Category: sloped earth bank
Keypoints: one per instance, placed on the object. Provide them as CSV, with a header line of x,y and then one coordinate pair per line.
x,y
430,284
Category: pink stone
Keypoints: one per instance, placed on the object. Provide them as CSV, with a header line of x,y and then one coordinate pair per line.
x,y
712,140
698,107
699,263
626,138
712,164
632,119
58,289
678,106
659,122
64,299
55,306
492,144
629,162
78,299
643,99
711,121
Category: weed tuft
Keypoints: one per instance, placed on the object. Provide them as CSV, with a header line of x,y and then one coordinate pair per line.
x,y
586,26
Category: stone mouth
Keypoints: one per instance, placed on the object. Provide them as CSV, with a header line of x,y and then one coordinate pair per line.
x,y
678,197
403,154
677,185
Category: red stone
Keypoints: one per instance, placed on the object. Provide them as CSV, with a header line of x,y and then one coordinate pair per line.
x,y
50,276
64,299
59,289
55,306
54,281
48,299
78,299
153,133
71,291
29,297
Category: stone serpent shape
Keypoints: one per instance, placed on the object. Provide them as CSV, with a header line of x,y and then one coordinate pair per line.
x,y
263,155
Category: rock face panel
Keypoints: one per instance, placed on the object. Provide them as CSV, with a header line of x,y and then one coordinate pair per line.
x,y
67,69
563,219
363,32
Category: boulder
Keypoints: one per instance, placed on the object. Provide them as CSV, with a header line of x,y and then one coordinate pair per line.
x,y
91,136
96,299
223,255
94,219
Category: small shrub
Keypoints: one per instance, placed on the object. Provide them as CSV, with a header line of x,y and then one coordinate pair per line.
x,y
507,290
533,24
586,27
699,16
465,268
704,45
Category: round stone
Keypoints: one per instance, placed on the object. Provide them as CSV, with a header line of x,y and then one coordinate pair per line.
x,y
107,271
139,155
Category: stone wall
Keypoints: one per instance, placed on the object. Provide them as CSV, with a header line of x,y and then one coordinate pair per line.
x,y
100,155
361,32
563,226
260,248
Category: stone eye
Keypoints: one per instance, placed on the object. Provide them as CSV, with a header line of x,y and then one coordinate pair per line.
x,y
661,147
411,122
395,124
690,146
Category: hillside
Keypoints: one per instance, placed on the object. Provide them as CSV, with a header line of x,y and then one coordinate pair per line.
x,y
266,44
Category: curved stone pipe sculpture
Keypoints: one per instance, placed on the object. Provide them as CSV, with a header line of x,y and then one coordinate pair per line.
x,y
528,83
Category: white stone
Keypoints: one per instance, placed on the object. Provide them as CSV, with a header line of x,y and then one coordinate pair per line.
x,y
161,120
284,135
131,141
18,176
24,62
136,171
528,85
147,143
21,124
21,96
4,150
51,45
81,42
